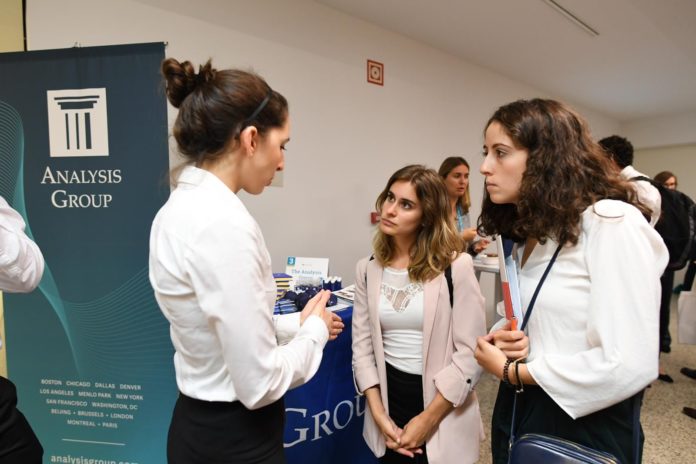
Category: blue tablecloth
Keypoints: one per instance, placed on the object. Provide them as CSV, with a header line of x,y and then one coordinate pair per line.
x,y
324,418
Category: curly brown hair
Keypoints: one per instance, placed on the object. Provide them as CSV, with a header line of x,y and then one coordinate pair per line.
x,y
566,172
437,241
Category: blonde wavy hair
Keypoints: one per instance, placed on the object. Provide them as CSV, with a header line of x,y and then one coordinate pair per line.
x,y
437,242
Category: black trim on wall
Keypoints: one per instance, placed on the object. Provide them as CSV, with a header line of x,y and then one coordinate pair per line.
x,y
24,23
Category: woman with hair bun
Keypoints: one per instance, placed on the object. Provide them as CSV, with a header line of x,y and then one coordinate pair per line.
x,y
211,273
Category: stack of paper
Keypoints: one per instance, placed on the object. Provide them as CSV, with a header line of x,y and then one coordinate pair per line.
x,y
282,284
347,293
284,306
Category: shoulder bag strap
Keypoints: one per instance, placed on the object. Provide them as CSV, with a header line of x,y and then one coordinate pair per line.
x,y
450,285
524,324
538,287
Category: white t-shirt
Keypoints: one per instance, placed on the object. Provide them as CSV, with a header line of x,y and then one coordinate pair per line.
x,y
593,332
401,319
211,273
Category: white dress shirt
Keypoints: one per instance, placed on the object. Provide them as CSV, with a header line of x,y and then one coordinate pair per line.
x,y
593,332
647,193
211,273
21,261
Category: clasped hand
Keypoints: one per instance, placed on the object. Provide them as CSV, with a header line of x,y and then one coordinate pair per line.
x,y
406,441
317,306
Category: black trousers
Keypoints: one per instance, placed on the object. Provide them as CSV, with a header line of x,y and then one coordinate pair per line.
x,y
218,432
405,397
667,282
609,430
18,443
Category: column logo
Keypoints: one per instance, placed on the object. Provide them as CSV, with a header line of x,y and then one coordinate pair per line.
x,y
77,122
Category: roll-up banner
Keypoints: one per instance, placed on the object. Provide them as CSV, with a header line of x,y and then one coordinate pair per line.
x,y
84,159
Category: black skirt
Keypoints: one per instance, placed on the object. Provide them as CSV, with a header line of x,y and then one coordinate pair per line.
x,y
217,432
405,397
609,430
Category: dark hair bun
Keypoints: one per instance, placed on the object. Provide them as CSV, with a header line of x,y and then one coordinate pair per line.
x,y
181,79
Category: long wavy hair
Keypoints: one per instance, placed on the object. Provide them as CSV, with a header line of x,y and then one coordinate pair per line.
x,y
663,176
566,172
437,242
445,168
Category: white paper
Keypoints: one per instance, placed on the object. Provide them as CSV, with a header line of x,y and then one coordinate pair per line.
x,y
309,268
511,269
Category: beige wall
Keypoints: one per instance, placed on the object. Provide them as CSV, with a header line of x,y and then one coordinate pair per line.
x,y
11,27
681,160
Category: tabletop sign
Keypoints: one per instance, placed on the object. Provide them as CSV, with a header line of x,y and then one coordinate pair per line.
x,y
307,268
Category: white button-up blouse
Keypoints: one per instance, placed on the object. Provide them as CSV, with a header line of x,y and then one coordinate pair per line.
x,y
211,273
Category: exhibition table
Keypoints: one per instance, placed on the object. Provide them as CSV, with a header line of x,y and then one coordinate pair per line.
x,y
324,417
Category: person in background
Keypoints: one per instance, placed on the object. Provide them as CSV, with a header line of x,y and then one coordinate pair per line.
x,y
413,338
670,181
591,343
620,151
667,179
211,273
455,172
21,269
691,373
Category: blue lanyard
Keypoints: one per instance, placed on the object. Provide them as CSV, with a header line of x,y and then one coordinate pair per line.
x,y
460,215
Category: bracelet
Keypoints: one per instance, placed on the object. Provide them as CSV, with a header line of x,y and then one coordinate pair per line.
x,y
506,379
520,384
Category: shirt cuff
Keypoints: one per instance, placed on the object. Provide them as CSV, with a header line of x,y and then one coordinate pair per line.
x,y
315,328
286,327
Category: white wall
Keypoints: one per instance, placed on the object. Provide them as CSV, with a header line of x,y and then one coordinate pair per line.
x,y
677,129
347,136
680,160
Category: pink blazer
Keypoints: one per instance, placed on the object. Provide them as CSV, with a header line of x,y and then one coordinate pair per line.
x,y
449,341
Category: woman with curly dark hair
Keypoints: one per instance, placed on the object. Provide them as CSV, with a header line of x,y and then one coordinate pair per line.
x,y
591,343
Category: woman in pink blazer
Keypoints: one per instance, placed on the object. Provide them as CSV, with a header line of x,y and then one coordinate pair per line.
x,y
413,339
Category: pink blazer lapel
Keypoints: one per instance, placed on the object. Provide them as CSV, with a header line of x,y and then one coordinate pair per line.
x,y
431,296
374,284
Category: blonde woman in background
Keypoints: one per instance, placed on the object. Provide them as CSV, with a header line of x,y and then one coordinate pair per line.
x,y
455,172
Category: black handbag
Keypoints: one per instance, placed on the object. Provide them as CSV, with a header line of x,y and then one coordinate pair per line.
x,y
547,449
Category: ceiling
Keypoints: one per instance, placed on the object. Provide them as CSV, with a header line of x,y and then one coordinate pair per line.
x,y
641,65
